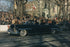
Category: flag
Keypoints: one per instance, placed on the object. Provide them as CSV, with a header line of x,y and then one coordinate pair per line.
x,y
33,6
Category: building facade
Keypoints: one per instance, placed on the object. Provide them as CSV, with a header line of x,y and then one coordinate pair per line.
x,y
35,7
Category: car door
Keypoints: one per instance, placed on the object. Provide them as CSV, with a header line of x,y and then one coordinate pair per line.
x,y
44,28
35,28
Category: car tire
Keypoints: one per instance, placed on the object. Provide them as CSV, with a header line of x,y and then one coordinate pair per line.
x,y
53,31
9,31
23,32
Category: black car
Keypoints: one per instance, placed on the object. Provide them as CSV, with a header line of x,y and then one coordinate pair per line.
x,y
24,29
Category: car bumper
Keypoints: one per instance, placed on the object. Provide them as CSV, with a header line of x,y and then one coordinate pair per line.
x,y
56,29
13,32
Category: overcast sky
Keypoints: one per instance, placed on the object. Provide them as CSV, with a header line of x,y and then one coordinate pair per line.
x,y
5,5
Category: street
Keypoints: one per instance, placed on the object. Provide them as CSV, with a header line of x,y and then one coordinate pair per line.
x,y
45,40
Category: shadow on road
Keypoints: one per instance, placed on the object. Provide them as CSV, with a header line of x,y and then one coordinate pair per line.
x,y
49,40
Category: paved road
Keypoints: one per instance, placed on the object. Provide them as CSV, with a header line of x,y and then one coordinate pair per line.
x,y
46,40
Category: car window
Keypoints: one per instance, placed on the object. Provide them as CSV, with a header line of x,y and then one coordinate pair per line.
x,y
29,22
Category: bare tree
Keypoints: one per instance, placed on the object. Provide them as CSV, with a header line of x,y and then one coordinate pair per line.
x,y
20,7
59,3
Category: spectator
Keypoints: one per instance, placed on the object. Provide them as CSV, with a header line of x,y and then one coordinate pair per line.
x,y
43,22
36,22
13,21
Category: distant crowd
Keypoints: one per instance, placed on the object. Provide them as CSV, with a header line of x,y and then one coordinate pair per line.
x,y
8,20
5,19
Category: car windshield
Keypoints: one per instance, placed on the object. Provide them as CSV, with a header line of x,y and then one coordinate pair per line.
x,y
29,22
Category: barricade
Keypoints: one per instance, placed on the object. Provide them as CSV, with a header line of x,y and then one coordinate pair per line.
x,y
4,28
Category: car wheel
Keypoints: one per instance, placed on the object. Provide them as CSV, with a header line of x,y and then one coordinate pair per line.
x,y
23,33
9,30
53,31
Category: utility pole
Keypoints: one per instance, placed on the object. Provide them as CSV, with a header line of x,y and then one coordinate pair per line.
x,y
39,8
45,9
49,6
67,10
63,8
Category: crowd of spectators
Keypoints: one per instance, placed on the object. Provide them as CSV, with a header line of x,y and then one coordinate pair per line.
x,y
5,18
8,19
33,20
